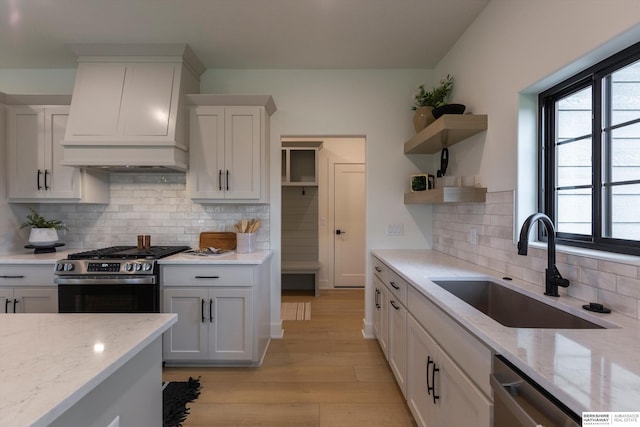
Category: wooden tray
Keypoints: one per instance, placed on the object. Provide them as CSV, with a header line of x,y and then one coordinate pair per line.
x,y
218,240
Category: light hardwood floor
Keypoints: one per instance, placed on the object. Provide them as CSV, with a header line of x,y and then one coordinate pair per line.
x,y
322,374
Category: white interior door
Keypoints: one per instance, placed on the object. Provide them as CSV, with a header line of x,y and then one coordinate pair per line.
x,y
349,222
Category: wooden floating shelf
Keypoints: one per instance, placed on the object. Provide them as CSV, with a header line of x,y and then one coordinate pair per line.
x,y
447,195
445,132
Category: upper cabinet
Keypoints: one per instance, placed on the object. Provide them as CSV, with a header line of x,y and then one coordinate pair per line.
x,y
299,166
448,130
34,153
229,149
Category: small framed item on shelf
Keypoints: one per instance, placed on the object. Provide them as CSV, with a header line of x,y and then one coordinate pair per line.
x,y
421,182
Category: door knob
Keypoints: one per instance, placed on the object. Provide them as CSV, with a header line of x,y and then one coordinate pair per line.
x,y
339,232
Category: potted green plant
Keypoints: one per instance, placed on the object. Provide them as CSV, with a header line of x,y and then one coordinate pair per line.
x,y
44,232
427,100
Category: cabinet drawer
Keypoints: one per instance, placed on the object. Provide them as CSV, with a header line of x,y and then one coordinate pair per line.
x,y
379,269
470,354
398,287
27,275
210,275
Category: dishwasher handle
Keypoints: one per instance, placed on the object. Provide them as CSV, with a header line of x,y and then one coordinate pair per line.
x,y
506,397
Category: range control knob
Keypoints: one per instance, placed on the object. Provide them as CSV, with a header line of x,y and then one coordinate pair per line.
x,y
137,267
59,266
146,266
68,267
128,267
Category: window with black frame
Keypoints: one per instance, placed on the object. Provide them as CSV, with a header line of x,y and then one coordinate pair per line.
x,y
589,162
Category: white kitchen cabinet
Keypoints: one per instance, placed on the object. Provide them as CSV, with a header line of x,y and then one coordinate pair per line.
x,y
34,153
223,314
381,315
26,288
390,319
29,300
438,392
228,154
213,324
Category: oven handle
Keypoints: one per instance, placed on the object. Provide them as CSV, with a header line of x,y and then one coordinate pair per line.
x,y
146,280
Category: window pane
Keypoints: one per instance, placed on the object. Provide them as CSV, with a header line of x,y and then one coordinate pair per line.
x,y
625,94
574,164
625,203
625,153
573,115
574,211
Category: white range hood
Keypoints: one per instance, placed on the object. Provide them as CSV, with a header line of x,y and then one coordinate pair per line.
x,y
127,111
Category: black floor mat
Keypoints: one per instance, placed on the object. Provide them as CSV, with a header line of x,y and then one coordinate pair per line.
x,y
175,397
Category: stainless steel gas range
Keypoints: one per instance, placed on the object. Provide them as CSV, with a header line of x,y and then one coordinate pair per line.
x,y
118,279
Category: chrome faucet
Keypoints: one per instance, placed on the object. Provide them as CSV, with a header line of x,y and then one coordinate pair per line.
x,y
552,277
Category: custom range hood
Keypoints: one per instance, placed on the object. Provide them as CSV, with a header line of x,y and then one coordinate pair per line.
x,y
127,110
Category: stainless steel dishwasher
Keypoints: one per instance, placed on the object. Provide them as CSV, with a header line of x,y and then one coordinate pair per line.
x,y
519,401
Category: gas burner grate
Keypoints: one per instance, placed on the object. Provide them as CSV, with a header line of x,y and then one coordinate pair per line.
x,y
129,252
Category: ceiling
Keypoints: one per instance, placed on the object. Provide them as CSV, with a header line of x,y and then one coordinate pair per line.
x,y
253,34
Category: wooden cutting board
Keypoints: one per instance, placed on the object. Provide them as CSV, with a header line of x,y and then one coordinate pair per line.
x,y
218,240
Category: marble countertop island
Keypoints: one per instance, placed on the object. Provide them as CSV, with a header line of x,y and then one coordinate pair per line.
x,y
586,369
49,362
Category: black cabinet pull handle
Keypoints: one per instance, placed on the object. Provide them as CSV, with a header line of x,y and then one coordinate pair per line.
x,y
227,180
211,310
15,301
376,298
6,305
19,276
429,362
38,180
394,286
393,304
219,179
378,269
46,183
207,277
202,309
433,381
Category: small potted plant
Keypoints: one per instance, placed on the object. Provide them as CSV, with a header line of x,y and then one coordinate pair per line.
x,y
429,103
44,232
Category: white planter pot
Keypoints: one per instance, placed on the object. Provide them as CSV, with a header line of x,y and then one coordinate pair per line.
x,y
43,236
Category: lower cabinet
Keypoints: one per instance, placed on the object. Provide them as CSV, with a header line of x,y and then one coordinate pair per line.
x,y
29,300
438,392
213,324
381,315
223,314
397,351
441,368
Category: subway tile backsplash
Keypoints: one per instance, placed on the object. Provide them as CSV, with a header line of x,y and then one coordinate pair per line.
x,y
615,284
155,204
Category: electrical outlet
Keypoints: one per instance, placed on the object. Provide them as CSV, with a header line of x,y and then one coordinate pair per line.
x,y
395,229
473,236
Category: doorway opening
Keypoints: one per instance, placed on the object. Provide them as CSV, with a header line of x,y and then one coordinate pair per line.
x,y
323,213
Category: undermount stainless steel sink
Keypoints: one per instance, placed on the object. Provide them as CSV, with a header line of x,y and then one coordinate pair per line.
x,y
511,308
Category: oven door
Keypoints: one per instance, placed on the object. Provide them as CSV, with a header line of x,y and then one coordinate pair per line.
x,y
130,295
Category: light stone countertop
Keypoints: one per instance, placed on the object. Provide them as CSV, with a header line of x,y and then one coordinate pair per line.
x,y
48,361
258,257
587,370
27,256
